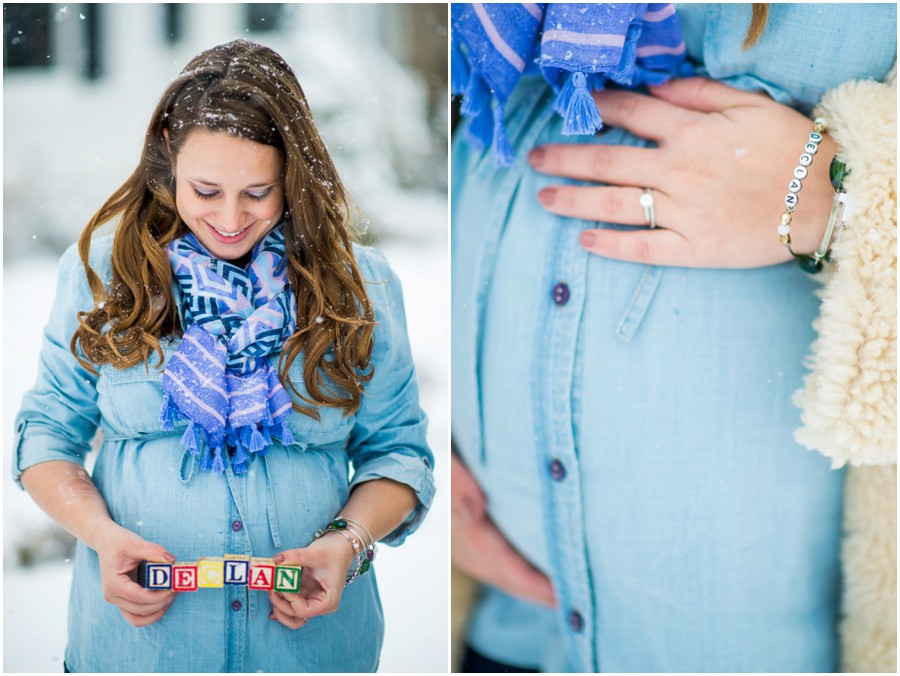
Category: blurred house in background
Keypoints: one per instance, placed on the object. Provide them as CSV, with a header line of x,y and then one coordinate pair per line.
x,y
81,80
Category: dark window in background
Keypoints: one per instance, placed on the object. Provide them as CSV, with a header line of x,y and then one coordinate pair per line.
x,y
92,26
27,35
263,17
173,23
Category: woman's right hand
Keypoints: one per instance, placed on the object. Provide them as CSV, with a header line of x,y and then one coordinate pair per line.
x,y
120,552
480,550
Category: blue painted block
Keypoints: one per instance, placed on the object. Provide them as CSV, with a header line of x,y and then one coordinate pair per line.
x,y
155,575
237,569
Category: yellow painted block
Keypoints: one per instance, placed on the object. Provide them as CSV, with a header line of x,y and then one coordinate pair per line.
x,y
210,572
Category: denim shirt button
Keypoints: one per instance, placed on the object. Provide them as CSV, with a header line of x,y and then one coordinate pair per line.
x,y
237,526
236,605
557,470
576,622
561,294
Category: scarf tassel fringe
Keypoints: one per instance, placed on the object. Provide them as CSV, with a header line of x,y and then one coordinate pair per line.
x,y
459,70
246,440
575,103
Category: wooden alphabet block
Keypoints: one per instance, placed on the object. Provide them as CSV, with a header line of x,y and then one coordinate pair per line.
x,y
262,573
184,577
287,579
210,572
155,575
237,569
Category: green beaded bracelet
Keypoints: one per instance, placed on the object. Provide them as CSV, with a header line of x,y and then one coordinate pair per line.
x,y
364,555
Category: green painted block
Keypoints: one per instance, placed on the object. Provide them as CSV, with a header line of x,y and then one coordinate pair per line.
x,y
287,579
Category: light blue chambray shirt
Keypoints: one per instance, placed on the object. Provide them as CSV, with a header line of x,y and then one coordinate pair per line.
x,y
155,488
632,425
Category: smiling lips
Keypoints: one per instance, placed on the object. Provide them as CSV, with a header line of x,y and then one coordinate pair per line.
x,y
229,238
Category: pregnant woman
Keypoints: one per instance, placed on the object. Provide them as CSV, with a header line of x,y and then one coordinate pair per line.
x,y
630,325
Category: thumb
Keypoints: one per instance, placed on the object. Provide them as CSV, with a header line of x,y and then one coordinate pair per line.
x,y
149,551
701,94
291,557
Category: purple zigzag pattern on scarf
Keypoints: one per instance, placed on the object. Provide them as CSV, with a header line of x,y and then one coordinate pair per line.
x,y
220,379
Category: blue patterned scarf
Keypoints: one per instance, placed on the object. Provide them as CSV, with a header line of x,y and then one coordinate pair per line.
x,y
578,48
220,379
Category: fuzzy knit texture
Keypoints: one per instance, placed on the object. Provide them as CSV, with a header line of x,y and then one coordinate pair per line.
x,y
849,400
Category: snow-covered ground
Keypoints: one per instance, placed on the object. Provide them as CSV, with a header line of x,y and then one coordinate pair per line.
x,y
67,145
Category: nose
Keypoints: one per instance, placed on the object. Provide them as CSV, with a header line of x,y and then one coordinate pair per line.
x,y
231,216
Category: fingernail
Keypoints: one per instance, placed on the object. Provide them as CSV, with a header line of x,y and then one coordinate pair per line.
x,y
547,196
587,239
278,558
536,157
168,557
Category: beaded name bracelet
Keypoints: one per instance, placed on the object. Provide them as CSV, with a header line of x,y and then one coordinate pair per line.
x,y
211,572
364,551
811,264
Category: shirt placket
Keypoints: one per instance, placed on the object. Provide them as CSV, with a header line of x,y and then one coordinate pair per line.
x,y
556,338
237,597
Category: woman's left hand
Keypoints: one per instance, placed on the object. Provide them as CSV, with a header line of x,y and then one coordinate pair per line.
x,y
325,563
719,176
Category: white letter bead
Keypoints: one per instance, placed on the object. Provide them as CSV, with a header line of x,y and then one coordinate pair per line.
x,y
784,230
791,199
805,159
815,138
811,148
819,120
800,172
794,185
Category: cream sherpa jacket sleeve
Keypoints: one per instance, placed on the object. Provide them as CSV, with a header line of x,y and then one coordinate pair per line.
x,y
849,400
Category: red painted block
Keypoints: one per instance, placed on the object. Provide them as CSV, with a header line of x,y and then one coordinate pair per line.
x,y
262,573
184,577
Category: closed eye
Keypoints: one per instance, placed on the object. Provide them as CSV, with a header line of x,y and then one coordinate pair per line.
x,y
205,195
259,196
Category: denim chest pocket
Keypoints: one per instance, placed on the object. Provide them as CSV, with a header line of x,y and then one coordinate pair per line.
x,y
130,401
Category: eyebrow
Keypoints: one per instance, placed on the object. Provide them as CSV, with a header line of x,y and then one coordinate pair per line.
x,y
203,181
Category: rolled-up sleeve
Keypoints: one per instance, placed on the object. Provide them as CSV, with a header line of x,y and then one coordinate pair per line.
x,y
388,437
59,417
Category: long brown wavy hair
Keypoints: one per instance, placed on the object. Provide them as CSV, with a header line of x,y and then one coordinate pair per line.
x,y
759,16
248,91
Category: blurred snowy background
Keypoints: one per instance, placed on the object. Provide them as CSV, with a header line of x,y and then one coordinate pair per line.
x,y
80,82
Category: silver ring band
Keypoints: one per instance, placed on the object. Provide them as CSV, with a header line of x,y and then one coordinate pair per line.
x,y
647,202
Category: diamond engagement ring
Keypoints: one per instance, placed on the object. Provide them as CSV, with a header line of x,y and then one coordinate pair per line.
x,y
647,204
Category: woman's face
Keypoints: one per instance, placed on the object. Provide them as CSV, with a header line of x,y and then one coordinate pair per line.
x,y
228,191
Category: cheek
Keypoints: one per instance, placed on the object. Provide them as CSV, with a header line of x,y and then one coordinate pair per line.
x,y
271,209
188,207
